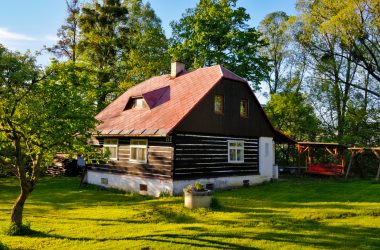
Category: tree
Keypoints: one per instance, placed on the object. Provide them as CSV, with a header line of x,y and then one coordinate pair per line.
x,y
216,32
356,23
123,43
292,114
105,39
275,30
68,34
335,75
41,113
148,55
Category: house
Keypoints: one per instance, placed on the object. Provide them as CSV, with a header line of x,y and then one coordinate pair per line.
x,y
169,131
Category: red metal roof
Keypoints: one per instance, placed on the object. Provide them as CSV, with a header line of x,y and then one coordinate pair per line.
x,y
169,100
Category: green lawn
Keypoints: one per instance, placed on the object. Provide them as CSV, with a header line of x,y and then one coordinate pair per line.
x,y
288,214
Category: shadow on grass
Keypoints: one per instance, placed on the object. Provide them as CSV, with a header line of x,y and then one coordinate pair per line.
x,y
302,233
201,240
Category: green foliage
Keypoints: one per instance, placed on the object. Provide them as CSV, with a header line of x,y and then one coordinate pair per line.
x,y
123,43
275,31
196,187
199,186
217,32
68,34
293,115
41,113
147,54
290,214
3,246
339,39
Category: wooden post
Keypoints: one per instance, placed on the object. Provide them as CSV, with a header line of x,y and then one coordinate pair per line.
x,y
349,164
378,157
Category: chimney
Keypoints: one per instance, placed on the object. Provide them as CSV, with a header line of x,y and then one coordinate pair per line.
x,y
176,68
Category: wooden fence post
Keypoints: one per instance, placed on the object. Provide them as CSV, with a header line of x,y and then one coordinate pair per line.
x,y
349,164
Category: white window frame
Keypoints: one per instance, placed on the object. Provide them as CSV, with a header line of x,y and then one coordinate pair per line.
x,y
138,146
235,148
109,145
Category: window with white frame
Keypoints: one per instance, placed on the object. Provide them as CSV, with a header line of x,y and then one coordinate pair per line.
x,y
139,150
110,147
236,151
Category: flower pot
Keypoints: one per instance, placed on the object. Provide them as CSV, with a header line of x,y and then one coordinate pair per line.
x,y
197,199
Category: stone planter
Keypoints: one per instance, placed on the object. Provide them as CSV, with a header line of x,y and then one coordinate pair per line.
x,y
197,199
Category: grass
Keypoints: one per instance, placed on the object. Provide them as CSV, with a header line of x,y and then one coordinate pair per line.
x,y
288,214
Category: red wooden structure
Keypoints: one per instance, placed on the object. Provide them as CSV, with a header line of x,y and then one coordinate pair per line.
x,y
335,149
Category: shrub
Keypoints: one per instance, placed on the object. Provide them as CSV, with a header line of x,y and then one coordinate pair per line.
x,y
199,186
3,246
196,187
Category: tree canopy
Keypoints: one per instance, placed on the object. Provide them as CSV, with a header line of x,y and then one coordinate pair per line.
x,y
42,112
217,32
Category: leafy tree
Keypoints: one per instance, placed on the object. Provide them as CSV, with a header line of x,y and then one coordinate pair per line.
x,y
41,113
216,32
68,34
123,43
356,23
104,41
292,114
147,54
342,35
333,74
275,30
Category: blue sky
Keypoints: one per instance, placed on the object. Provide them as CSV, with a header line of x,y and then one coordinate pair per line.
x,y
31,24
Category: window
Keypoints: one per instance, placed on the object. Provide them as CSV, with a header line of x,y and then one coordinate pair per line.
x,y
236,151
139,150
136,103
219,104
110,147
139,103
244,108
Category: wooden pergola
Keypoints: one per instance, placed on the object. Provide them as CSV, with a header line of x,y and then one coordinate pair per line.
x,y
334,149
357,150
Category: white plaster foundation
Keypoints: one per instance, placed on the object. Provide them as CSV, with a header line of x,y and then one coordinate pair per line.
x,y
130,183
157,187
221,182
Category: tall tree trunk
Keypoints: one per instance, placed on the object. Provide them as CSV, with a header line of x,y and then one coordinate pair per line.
x,y
18,208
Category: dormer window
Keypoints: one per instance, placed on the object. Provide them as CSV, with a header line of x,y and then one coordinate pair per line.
x,y
136,103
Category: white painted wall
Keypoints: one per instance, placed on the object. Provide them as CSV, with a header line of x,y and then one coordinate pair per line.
x,y
266,156
220,182
130,183
156,187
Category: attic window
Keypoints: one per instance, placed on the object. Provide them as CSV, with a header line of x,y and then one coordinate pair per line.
x,y
136,103
244,108
219,104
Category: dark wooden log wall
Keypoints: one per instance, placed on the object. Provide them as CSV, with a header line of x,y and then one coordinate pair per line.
x,y
159,165
205,156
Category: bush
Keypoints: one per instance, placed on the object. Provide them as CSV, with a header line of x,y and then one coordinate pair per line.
x,y
3,246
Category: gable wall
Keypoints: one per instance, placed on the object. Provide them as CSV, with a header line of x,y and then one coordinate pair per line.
x,y
202,119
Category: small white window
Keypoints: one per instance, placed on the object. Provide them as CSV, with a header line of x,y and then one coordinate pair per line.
x,y
111,147
236,151
139,150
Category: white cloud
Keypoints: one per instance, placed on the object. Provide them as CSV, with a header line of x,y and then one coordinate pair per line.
x,y
7,36
52,38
